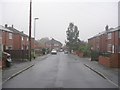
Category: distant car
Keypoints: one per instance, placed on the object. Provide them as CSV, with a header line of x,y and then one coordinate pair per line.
x,y
61,50
53,51
65,52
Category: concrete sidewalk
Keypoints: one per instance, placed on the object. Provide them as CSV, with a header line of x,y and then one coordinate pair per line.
x,y
111,74
18,67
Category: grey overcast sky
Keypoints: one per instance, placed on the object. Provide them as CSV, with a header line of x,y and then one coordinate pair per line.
x,y
90,16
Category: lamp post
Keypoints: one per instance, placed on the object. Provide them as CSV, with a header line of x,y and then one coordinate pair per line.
x,y
34,33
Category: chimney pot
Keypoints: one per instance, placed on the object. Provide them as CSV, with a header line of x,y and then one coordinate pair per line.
x,y
107,27
12,26
5,25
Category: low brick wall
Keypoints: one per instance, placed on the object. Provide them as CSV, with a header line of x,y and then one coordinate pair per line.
x,y
105,61
113,61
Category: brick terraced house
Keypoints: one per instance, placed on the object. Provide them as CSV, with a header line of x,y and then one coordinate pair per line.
x,y
6,41
14,42
107,42
53,44
21,40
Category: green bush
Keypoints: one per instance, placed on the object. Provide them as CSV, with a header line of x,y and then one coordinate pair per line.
x,y
85,49
95,55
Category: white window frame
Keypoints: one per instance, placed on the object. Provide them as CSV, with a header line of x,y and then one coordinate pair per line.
x,y
22,38
109,35
113,49
10,35
27,39
22,47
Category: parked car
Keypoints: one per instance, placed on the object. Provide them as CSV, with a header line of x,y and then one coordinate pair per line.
x,y
53,51
7,59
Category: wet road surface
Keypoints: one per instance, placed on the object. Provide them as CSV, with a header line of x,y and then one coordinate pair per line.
x,y
58,71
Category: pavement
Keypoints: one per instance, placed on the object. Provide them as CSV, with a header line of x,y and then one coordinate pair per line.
x,y
18,67
111,74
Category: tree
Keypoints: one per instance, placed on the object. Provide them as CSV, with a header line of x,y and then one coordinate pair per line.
x,y
72,37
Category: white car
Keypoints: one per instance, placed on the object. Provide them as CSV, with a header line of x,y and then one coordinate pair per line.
x,y
53,51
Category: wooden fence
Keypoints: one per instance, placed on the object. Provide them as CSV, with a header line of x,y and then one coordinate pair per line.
x,y
18,54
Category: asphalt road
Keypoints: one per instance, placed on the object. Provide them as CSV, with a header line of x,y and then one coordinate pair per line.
x,y
58,71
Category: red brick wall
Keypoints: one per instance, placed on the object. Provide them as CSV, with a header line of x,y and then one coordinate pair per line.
x,y
17,42
105,61
112,61
5,39
115,61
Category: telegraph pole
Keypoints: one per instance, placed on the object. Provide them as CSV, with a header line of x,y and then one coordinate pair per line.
x,y
30,22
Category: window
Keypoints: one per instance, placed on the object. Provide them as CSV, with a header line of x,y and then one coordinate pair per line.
x,y
22,38
27,39
10,35
56,45
22,47
109,48
109,35
10,47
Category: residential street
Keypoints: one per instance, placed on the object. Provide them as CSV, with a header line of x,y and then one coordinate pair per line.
x,y
59,71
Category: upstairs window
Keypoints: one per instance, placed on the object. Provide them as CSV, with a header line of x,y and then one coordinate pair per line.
x,y
109,47
10,35
109,35
27,39
22,38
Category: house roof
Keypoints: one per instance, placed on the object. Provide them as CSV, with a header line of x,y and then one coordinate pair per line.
x,y
105,32
114,29
16,31
2,28
53,41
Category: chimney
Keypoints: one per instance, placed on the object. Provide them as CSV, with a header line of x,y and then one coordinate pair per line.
x,y
6,25
12,25
107,27
22,32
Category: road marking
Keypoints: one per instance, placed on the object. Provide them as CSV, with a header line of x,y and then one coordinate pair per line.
x,y
102,75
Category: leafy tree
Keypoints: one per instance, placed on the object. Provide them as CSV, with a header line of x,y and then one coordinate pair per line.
x,y
72,37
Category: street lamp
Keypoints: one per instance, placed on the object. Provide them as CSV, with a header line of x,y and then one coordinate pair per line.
x,y
35,25
34,33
